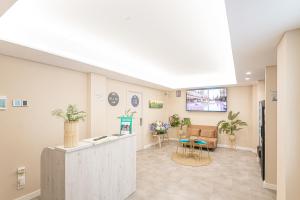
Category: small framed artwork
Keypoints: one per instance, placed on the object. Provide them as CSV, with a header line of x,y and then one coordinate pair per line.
x,y
3,102
274,95
24,103
17,103
178,93
156,104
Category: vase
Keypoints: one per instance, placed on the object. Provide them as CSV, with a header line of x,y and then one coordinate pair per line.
x,y
71,134
232,139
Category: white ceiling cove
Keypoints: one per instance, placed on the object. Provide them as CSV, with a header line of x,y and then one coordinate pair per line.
x,y
170,43
173,43
256,26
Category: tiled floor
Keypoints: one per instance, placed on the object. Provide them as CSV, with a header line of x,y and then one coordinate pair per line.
x,y
233,175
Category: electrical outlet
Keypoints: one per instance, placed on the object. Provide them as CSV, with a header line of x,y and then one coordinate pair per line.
x,y
21,172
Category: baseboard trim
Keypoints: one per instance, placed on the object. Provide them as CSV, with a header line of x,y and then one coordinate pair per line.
x,y
30,196
156,143
238,148
269,186
219,145
150,145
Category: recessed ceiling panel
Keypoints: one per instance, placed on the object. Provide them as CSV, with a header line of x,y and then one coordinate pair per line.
x,y
173,43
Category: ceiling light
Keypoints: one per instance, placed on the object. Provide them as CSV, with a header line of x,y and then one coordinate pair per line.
x,y
247,78
248,73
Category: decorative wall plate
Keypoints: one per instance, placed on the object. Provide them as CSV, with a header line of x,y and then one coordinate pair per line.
x,y
135,101
113,98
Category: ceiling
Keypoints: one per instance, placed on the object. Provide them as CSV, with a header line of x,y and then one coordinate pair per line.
x,y
256,27
166,44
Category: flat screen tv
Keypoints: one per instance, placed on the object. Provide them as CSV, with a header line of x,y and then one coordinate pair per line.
x,y
208,100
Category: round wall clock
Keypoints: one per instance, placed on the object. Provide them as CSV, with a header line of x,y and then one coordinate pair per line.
x,y
135,101
113,98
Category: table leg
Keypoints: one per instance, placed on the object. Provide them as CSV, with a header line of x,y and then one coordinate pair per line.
x,y
159,142
208,151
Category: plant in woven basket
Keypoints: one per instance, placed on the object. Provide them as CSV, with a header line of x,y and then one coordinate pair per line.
x,y
71,114
231,125
71,117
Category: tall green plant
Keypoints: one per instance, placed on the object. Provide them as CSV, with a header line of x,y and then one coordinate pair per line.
x,y
231,125
185,122
174,120
71,114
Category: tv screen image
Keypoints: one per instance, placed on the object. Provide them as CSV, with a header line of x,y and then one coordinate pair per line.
x,y
210,100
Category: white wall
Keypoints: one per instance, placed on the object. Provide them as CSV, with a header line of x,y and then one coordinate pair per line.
x,y
288,112
271,126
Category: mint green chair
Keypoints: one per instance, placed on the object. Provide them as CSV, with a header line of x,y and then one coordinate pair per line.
x,y
201,144
183,142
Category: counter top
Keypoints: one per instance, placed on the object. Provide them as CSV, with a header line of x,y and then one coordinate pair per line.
x,y
90,142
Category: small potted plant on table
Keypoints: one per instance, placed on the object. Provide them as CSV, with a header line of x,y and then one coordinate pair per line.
x,y
159,129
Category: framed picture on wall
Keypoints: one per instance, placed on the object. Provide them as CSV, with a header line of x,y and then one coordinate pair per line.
x,y
155,104
3,102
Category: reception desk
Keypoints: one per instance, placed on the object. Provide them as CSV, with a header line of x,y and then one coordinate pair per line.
x,y
95,170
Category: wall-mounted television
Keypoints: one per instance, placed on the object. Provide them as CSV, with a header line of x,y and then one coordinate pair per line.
x,y
207,100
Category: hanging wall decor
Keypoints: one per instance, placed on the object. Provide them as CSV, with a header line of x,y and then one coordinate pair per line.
x,y
135,101
155,104
113,98
3,102
178,93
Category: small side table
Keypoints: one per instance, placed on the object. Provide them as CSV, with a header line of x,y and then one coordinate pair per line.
x,y
160,140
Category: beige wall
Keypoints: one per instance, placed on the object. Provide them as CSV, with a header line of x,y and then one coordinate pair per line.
x,y
26,131
239,99
271,125
97,104
258,94
149,115
288,112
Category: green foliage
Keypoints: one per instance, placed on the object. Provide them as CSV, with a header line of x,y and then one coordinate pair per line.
x,y
174,120
231,125
185,122
71,114
128,113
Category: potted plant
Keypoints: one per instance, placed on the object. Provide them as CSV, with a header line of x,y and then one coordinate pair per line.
x,y
231,126
174,120
126,122
159,127
185,122
71,119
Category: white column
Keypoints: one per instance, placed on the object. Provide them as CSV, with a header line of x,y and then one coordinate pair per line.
x,y
288,113
270,126
97,104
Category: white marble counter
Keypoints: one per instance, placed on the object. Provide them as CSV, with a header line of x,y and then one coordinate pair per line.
x,y
95,170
